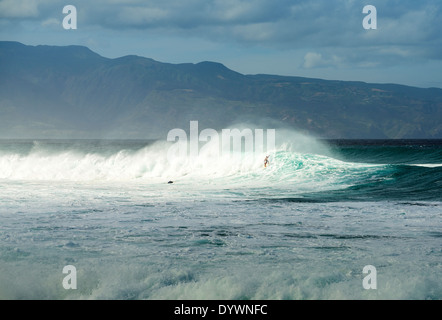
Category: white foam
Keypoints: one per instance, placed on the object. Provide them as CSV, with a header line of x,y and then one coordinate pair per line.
x,y
297,158
151,163
427,165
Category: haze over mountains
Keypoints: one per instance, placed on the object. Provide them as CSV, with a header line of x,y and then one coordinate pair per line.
x,y
72,92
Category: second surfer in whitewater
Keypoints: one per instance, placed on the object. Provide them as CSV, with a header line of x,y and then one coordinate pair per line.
x,y
266,161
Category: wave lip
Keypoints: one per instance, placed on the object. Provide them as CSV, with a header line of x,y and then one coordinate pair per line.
x,y
427,165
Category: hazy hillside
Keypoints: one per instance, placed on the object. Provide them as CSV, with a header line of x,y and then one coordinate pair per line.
x,y
72,92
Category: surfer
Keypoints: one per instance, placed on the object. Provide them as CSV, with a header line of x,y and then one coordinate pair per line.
x,y
266,161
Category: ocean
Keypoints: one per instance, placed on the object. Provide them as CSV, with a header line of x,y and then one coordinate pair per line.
x,y
305,227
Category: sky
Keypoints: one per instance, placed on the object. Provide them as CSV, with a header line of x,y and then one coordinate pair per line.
x,y
316,38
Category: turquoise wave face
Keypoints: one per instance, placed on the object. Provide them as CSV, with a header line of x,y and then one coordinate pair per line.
x,y
389,151
371,170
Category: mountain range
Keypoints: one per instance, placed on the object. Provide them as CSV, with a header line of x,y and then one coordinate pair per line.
x,y
73,92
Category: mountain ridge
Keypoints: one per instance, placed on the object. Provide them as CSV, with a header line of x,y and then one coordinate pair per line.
x,y
73,92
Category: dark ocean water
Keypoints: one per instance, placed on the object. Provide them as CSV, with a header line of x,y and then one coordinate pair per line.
x,y
227,228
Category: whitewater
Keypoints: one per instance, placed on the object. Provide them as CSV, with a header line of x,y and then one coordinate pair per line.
x,y
226,228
